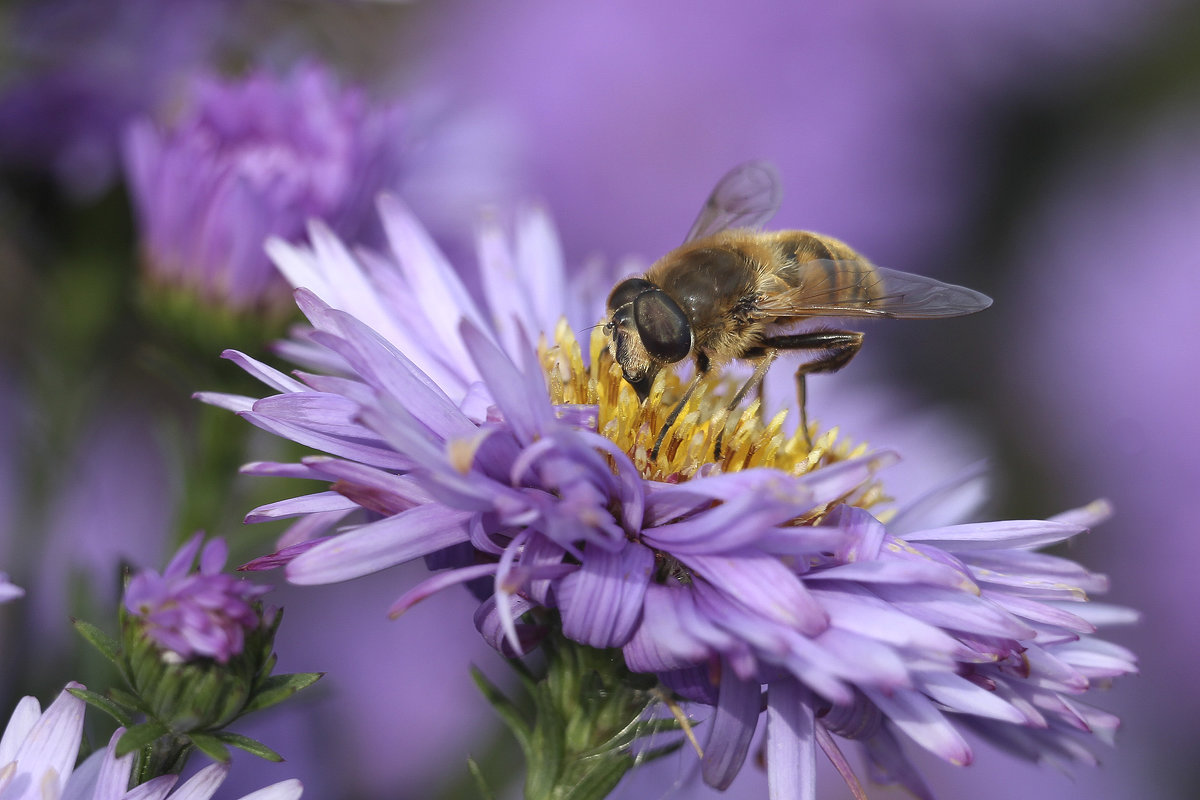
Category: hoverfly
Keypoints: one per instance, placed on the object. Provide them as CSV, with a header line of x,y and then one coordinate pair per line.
x,y
730,290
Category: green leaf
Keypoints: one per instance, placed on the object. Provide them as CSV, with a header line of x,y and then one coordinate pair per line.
x,y
252,746
508,712
211,746
600,779
122,715
140,736
277,688
108,646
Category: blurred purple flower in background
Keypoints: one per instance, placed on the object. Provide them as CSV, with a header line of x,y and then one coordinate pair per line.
x,y
81,69
877,114
110,501
862,633
1107,363
195,614
249,158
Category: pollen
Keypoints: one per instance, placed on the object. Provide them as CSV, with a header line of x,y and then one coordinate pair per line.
x,y
748,438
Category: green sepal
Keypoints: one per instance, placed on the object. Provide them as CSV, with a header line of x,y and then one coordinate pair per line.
x,y
124,698
277,688
109,647
211,746
588,724
508,712
481,784
599,781
252,746
140,736
121,714
546,754
646,756
635,730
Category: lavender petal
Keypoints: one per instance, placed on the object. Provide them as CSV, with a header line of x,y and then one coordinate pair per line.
x,y
602,601
379,545
917,716
791,742
731,730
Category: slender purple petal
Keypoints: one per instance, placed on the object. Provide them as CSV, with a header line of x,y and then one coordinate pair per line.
x,y
436,583
268,375
961,695
280,558
898,572
297,506
521,396
372,454
760,582
839,761
991,535
791,742
661,643
731,729
380,545
602,601
918,717
495,630
181,562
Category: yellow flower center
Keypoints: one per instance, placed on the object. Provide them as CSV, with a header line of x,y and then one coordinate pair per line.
x,y
749,440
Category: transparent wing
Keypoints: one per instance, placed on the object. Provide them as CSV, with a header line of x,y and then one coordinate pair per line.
x,y
746,197
823,288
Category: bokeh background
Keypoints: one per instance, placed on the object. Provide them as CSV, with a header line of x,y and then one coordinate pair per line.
x,y
1047,154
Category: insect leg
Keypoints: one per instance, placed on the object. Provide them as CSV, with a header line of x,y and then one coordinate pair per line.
x,y
674,415
839,347
755,380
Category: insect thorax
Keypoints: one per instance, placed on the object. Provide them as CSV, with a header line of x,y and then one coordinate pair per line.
x,y
715,281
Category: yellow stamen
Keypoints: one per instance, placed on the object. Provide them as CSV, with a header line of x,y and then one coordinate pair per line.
x,y
749,440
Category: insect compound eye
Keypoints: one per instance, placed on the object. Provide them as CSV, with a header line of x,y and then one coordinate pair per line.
x,y
662,326
626,290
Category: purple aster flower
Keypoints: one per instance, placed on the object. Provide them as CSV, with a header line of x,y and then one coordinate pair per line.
x,y
81,69
203,614
254,157
452,437
39,749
